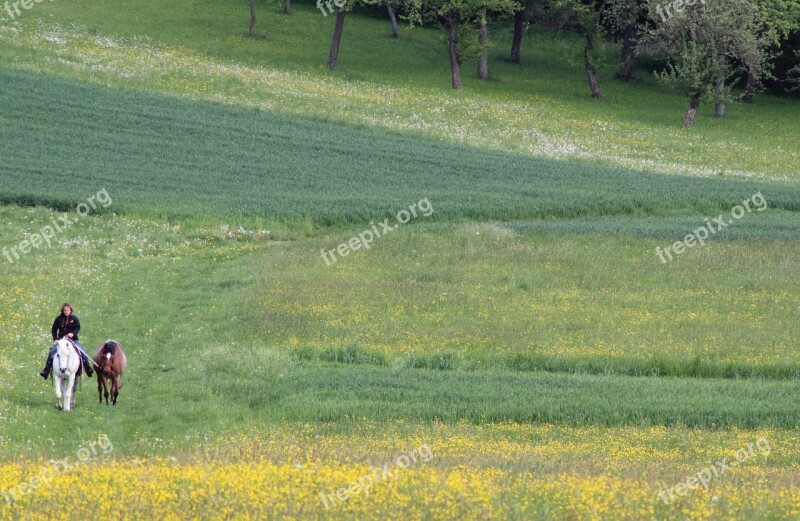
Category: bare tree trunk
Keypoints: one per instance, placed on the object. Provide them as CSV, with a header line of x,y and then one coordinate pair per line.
x,y
333,55
630,41
750,87
287,6
452,42
483,40
392,18
516,43
590,72
694,103
252,31
719,87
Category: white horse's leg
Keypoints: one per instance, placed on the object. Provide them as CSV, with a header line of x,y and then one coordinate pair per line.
x,y
68,398
57,382
74,388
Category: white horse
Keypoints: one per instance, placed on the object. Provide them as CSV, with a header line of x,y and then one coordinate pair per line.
x,y
65,373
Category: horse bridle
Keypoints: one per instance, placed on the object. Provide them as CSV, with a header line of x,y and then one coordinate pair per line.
x,y
69,357
109,348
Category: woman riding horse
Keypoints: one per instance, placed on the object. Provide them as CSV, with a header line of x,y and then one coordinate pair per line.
x,y
66,325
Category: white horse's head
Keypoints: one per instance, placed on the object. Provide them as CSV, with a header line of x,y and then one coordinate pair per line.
x,y
67,360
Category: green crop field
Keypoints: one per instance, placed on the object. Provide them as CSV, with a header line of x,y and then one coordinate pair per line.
x,y
521,326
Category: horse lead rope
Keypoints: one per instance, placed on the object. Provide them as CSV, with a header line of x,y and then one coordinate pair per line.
x,y
79,349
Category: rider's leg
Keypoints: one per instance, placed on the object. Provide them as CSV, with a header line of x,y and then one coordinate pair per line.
x,y
48,366
87,362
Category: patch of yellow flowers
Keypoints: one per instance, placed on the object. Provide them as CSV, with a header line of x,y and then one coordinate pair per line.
x,y
476,472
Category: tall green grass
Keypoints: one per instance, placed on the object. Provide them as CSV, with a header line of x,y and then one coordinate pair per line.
x,y
159,156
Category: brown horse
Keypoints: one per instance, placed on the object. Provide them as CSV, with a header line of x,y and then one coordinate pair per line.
x,y
109,362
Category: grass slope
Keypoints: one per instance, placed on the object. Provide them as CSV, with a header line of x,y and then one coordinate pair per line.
x,y
161,156
541,108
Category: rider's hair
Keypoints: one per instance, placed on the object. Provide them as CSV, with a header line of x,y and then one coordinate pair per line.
x,y
66,305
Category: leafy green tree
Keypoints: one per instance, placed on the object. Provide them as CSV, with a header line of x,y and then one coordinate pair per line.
x,y
456,16
587,16
707,47
780,18
627,17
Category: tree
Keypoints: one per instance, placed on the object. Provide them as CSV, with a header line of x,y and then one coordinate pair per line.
x,y
793,76
483,41
626,17
287,6
392,17
252,31
338,28
587,16
708,47
455,16
520,17
344,7
780,18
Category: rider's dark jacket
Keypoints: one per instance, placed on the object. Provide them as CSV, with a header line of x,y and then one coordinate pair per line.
x,y
64,325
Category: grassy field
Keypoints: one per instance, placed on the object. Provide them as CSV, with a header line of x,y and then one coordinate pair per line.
x,y
525,332
540,108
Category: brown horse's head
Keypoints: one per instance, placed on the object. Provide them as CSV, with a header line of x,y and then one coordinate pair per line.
x,y
107,359
109,350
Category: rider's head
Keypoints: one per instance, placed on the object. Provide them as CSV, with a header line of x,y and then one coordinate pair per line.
x,y
66,309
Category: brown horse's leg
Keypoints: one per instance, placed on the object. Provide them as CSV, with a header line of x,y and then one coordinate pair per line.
x,y
100,385
105,389
115,389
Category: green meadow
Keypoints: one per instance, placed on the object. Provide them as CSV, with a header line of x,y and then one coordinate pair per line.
x,y
199,50
529,309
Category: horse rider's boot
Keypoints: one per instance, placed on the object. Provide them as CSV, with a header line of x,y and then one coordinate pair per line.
x,y
47,368
87,366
